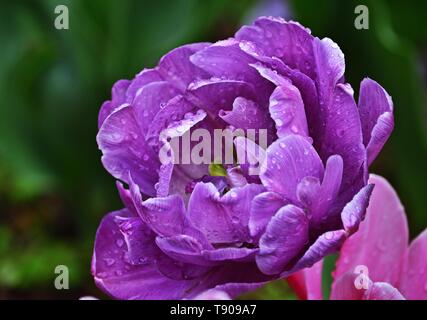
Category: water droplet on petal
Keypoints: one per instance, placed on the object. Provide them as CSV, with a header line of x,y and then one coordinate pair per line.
x,y
235,219
119,243
109,262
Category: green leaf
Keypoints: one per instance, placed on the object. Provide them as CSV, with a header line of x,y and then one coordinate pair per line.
x,y
327,279
217,170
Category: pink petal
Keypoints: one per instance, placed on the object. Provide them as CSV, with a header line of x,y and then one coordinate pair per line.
x,y
383,291
414,277
382,238
307,283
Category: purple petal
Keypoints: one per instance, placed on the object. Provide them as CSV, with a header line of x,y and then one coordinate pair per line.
x,y
176,270
288,161
145,77
264,207
225,59
287,111
125,150
222,219
126,198
380,133
342,136
330,67
270,74
289,41
354,211
233,289
216,94
166,216
176,67
118,97
328,192
285,237
120,277
327,243
213,294
307,192
139,240
246,114
236,177
171,115
235,254
250,157
149,100
183,248
238,278
376,114
331,182
274,70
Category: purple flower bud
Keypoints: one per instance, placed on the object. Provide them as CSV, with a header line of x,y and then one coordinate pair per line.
x,y
284,90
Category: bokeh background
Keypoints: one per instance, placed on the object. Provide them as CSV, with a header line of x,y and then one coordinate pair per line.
x,y
53,188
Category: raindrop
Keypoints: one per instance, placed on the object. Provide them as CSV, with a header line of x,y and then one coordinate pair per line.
x,y
188,115
109,262
235,219
116,137
142,260
340,133
233,194
334,45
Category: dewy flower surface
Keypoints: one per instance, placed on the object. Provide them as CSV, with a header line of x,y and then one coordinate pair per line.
x,y
187,231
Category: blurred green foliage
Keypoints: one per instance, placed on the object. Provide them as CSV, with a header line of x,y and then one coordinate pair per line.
x,y
53,189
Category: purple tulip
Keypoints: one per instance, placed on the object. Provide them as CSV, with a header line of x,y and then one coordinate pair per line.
x,y
185,230
376,263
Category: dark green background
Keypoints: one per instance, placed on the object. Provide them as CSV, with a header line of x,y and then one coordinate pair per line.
x,y
53,189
